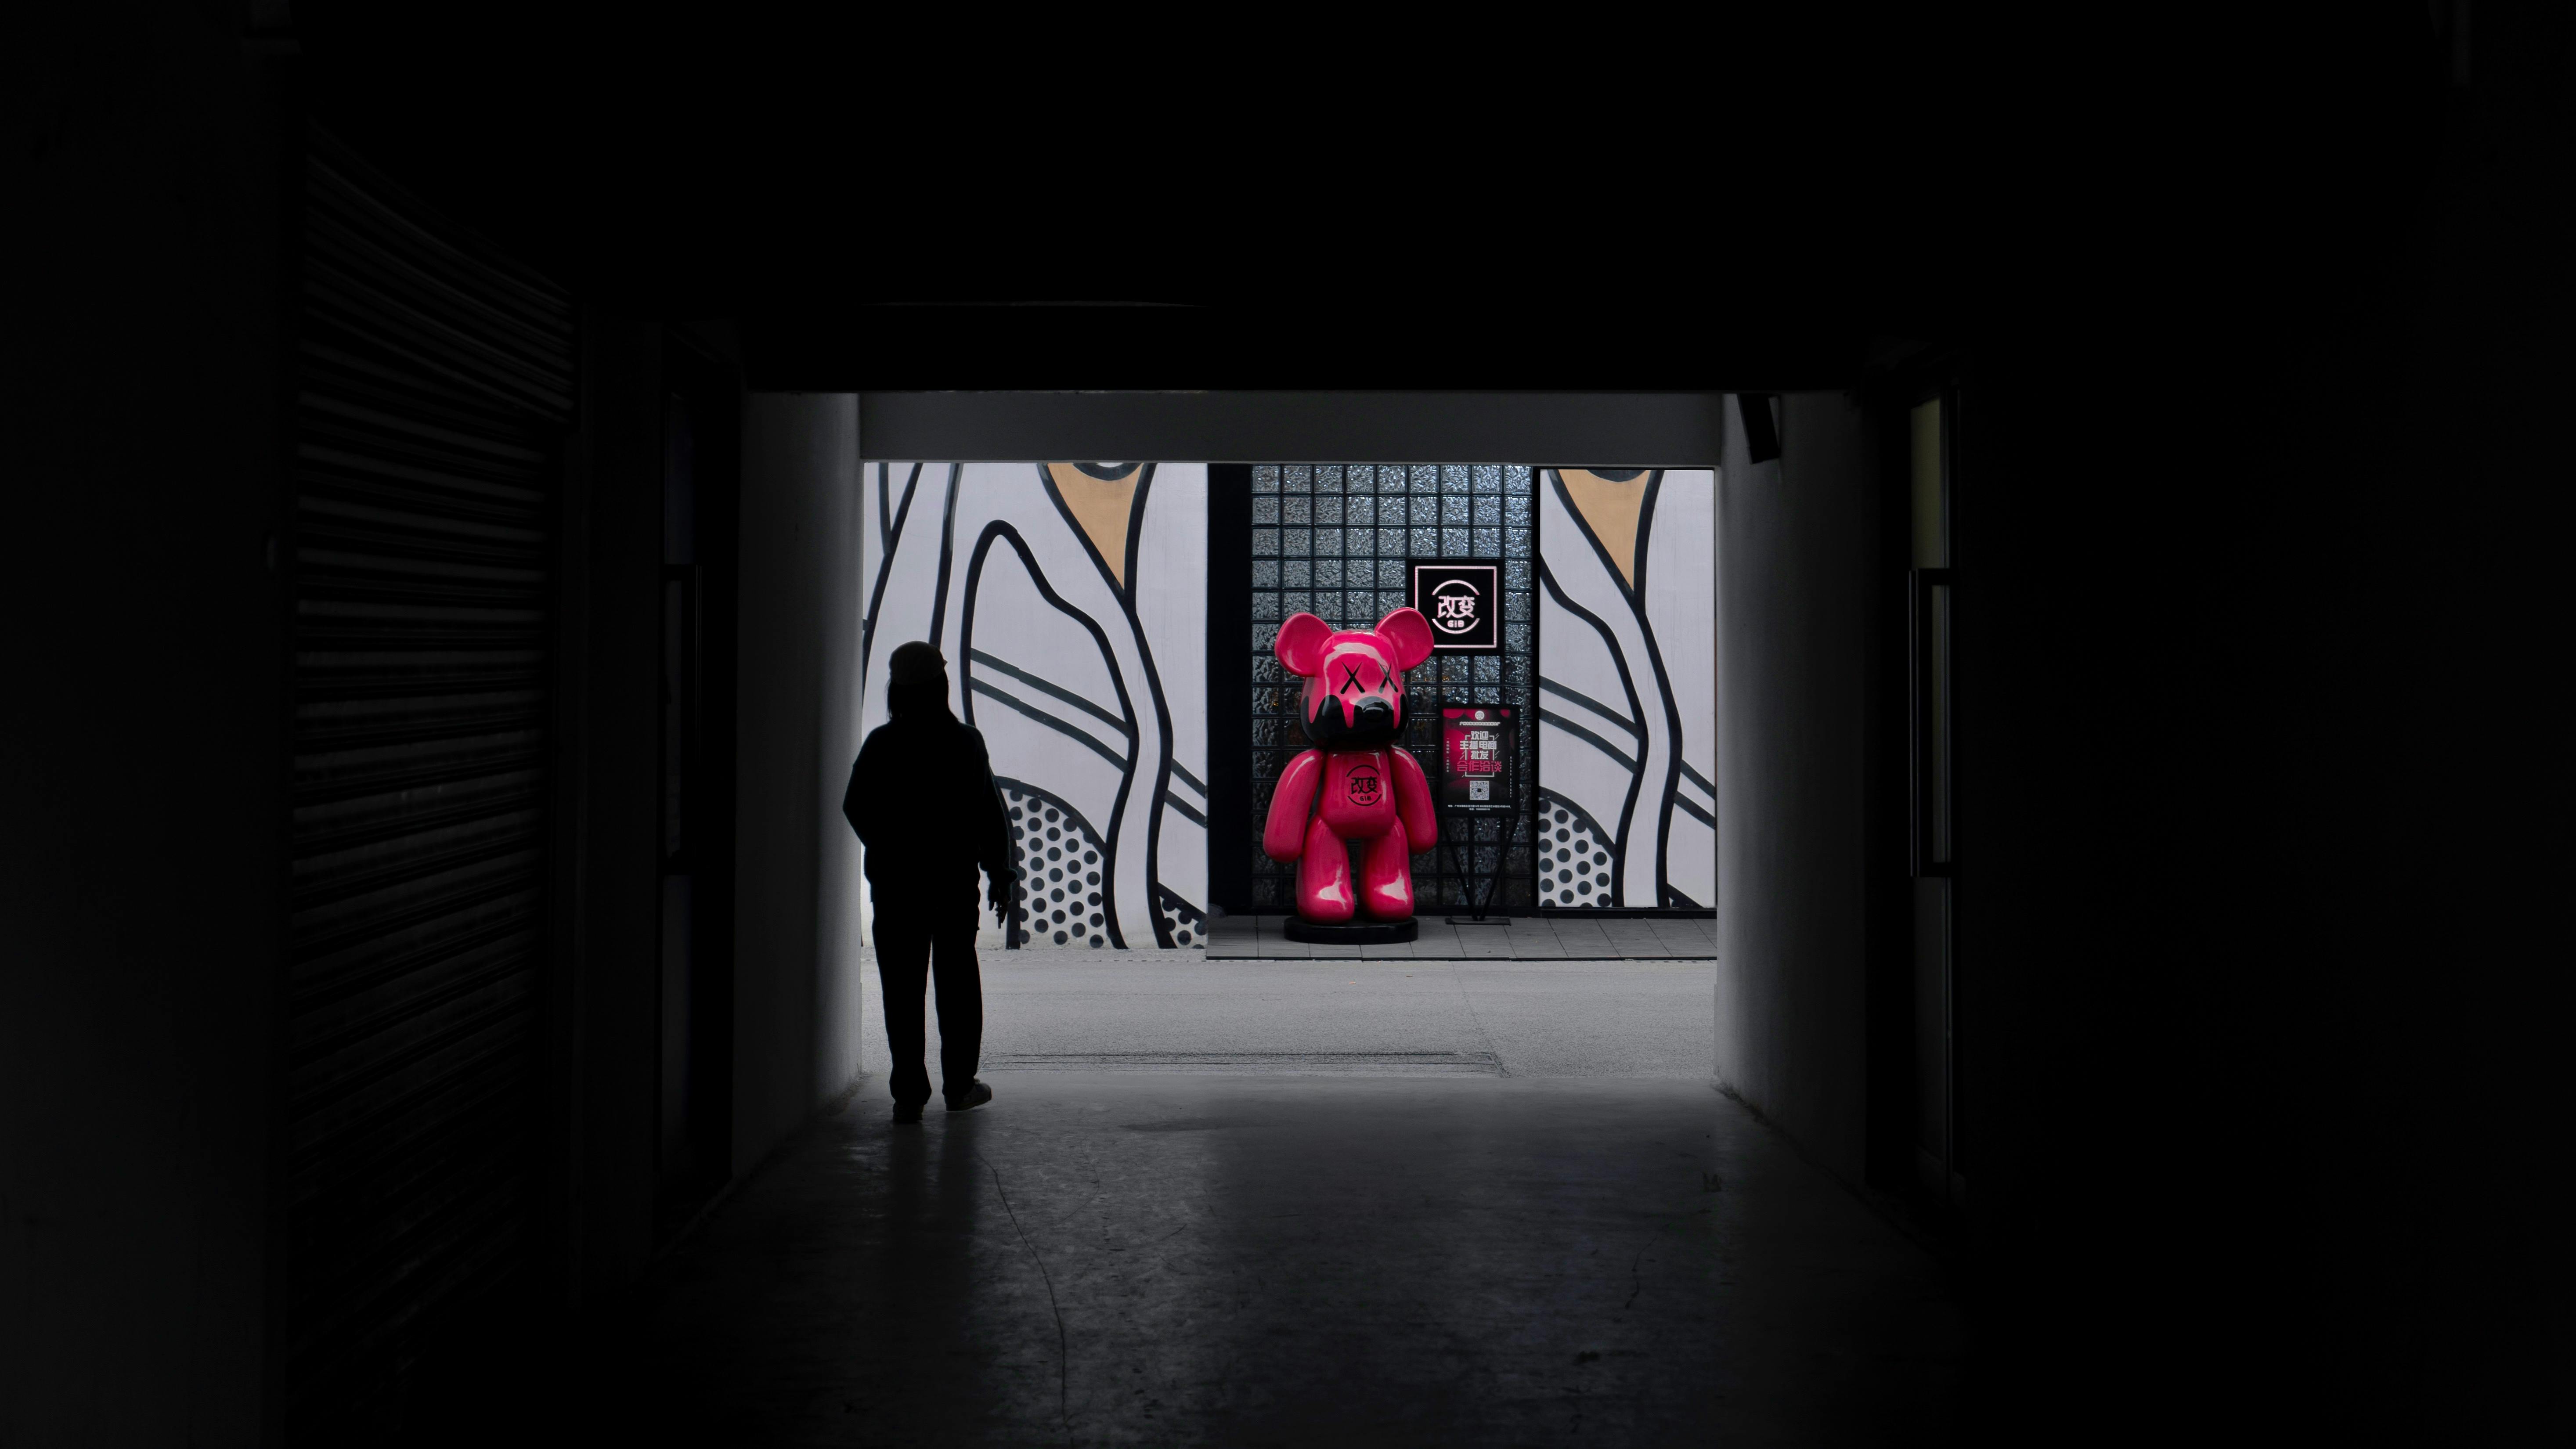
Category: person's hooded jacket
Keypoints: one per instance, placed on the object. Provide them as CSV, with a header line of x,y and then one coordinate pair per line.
x,y
922,800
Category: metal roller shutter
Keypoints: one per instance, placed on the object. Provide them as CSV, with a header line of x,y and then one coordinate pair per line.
x,y
435,383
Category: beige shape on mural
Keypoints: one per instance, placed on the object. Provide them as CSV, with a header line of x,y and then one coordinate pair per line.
x,y
1610,509
1102,507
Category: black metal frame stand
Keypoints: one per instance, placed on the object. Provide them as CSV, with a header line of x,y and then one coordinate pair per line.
x,y
1467,876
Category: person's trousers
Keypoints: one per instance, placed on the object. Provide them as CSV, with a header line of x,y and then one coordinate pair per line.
x,y
908,950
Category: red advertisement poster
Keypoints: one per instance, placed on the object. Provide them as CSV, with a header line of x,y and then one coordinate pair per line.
x,y
1477,747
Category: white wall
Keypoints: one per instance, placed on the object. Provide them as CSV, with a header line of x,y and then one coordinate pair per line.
x,y
1796,590
846,1040
798,1011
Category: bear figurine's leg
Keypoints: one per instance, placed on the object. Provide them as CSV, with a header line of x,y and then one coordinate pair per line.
x,y
1324,877
1386,877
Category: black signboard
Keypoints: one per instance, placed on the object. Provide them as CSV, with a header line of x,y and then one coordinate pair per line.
x,y
1463,599
1476,753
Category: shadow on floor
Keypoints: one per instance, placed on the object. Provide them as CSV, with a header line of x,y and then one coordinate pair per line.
x,y
1169,1258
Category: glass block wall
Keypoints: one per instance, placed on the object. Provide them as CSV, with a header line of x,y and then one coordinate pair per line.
x,y
1332,539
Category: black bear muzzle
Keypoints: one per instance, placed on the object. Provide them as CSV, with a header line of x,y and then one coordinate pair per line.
x,y
1370,722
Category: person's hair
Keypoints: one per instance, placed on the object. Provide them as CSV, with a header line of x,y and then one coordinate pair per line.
x,y
906,701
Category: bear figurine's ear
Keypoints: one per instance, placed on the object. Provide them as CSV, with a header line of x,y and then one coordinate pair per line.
x,y
1409,634
1301,644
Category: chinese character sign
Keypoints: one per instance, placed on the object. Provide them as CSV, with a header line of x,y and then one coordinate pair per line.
x,y
1463,600
1476,760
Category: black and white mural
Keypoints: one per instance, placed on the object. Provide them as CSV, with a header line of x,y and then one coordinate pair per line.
x,y
1071,601
1627,698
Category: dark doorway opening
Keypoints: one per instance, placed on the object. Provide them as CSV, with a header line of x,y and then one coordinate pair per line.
x,y
1916,1048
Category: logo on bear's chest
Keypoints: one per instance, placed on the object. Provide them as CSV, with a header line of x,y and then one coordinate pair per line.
x,y
1364,786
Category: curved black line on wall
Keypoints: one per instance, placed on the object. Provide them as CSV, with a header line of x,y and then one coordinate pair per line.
x,y
1126,591
1060,726
998,529
888,534
1637,708
1608,714
1549,716
1645,537
1663,687
885,517
1162,765
1126,594
1136,531
1045,687
1037,577
1583,525
1761,431
947,554
1635,593
1162,710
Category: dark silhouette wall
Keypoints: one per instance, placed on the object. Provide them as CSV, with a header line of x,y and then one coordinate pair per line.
x,y
1247,425
2262,764
607,1036
2256,773
2258,761
142,731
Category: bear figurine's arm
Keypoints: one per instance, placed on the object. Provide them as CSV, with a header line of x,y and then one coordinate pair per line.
x,y
1413,802
1283,836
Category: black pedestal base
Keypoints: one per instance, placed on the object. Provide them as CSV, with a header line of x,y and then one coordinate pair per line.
x,y
1353,933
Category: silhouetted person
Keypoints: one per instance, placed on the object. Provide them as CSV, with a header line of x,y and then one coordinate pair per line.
x,y
921,798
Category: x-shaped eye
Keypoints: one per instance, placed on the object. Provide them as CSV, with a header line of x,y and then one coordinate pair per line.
x,y
1350,679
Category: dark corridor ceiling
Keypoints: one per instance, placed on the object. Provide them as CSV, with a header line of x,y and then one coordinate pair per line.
x,y
990,205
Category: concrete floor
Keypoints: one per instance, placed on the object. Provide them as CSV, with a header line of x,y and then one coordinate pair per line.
x,y
1285,1203
1169,1010
1402,1203
1525,938
1176,1258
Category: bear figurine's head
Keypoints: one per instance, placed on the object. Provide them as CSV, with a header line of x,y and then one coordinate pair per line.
x,y
1354,677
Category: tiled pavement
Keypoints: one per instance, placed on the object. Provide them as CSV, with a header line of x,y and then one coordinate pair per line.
x,y
1512,938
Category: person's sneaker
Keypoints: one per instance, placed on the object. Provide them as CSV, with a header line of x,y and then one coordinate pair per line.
x,y
907,1111
976,1096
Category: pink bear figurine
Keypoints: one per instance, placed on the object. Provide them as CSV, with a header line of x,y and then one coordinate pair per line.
x,y
1372,793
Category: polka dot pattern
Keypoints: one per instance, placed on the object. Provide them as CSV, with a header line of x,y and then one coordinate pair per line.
x,y
1187,924
1059,900
1574,856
